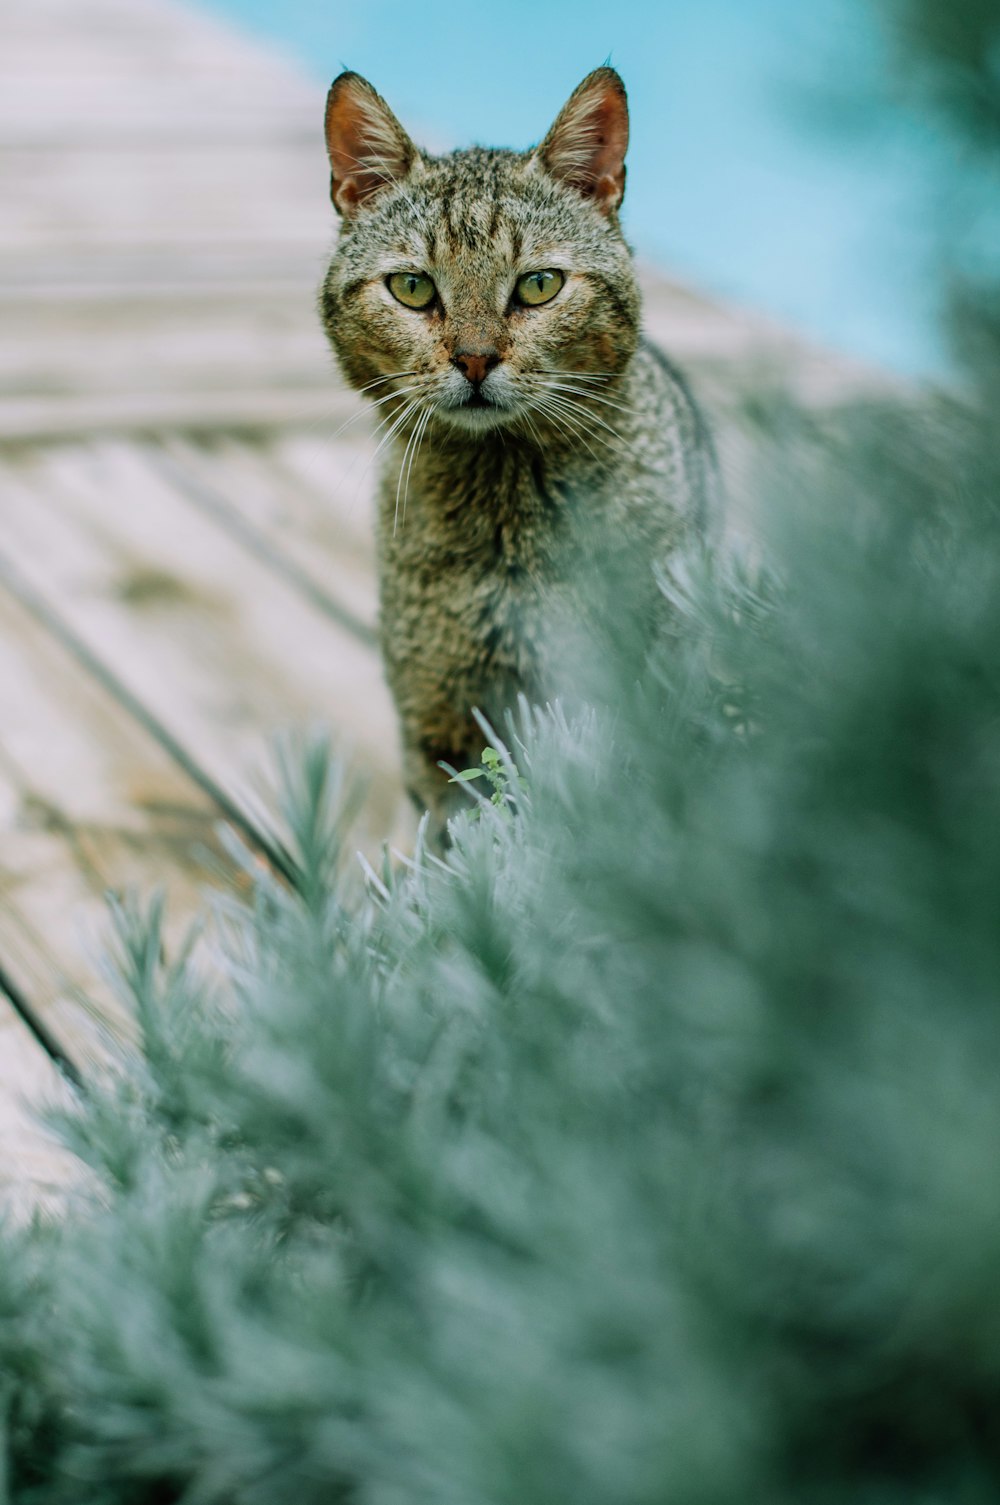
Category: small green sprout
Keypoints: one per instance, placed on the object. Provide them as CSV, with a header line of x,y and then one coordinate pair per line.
x,y
498,776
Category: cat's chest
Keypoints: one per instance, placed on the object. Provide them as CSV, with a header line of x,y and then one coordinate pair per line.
x,y
497,527
496,578
476,581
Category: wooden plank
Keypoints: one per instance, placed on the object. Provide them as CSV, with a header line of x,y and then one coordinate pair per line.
x,y
320,469
317,514
268,278
89,804
54,418
75,760
157,234
56,928
178,356
53,926
221,649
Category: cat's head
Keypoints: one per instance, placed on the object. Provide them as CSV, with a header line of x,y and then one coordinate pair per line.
x,y
489,288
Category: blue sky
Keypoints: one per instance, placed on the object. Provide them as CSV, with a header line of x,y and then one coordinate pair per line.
x,y
758,167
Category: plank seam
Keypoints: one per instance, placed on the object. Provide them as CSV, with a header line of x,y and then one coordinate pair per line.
x,y
216,505
18,586
31,1019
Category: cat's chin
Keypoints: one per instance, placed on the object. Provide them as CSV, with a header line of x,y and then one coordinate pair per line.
x,y
475,419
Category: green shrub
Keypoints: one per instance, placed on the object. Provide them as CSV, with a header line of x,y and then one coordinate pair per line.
x,y
645,1151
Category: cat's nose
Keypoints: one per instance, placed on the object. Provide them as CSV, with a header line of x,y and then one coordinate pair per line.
x,y
476,364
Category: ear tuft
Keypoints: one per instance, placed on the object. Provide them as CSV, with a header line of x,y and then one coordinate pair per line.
x,y
367,146
586,147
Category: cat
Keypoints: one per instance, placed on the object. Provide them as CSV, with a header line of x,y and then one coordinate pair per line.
x,y
486,302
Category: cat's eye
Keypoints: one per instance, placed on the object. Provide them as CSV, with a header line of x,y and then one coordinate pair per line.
x,y
412,288
539,287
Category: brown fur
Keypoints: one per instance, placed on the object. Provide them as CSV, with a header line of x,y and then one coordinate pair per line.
x,y
520,442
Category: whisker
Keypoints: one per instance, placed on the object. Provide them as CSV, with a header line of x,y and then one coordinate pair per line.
x,y
555,386
581,416
568,422
387,418
388,377
572,410
534,429
402,467
572,427
594,417
422,424
378,402
374,402
395,422
588,396
403,479
575,375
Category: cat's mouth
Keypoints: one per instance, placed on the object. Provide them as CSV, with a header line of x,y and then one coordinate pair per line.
x,y
475,411
477,406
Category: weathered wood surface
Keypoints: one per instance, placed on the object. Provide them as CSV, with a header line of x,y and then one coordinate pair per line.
x,y
185,496
184,547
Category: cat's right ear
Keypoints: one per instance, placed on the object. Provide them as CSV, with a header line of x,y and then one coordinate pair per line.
x,y
367,146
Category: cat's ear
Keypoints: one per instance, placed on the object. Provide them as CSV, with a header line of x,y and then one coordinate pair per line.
x,y
585,149
367,146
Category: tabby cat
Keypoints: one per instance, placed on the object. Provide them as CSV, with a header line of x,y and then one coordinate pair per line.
x,y
486,302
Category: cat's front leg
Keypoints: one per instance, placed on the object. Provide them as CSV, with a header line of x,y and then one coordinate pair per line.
x,y
427,744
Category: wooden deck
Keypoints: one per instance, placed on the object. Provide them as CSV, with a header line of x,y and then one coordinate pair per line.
x,y
186,549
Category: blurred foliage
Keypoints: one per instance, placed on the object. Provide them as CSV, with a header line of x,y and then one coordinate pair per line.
x,y
642,1153
948,66
952,54
645,1150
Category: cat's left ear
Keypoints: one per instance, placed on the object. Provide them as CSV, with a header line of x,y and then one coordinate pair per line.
x,y
586,147
367,146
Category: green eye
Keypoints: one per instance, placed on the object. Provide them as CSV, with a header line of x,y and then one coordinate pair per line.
x,y
412,288
539,287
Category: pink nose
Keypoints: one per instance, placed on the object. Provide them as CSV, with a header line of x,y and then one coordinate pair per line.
x,y
475,364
